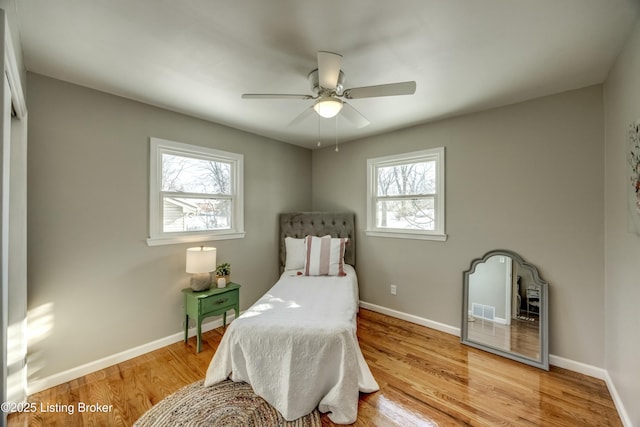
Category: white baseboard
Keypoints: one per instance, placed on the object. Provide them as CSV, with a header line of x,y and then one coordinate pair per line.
x,y
599,373
36,385
411,318
624,415
581,368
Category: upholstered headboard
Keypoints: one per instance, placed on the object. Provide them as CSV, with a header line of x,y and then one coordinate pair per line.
x,y
301,224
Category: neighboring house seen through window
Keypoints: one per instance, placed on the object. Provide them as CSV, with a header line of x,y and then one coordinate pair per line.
x,y
406,195
196,194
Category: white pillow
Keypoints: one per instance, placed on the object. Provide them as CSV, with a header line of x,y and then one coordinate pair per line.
x,y
324,256
295,253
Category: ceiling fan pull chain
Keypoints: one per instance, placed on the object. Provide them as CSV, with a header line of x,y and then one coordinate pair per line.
x,y
337,134
319,143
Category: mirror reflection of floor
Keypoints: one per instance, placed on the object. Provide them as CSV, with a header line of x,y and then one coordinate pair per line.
x,y
521,337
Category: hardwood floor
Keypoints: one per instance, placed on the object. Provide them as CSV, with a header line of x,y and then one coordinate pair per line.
x,y
521,336
426,378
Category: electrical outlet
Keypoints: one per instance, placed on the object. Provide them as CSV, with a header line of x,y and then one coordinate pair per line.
x,y
394,290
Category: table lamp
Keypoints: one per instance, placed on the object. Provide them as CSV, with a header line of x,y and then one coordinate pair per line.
x,y
201,261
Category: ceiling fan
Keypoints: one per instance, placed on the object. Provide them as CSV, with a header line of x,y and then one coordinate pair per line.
x,y
327,85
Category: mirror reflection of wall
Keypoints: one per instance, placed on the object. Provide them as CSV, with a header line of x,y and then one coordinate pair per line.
x,y
490,290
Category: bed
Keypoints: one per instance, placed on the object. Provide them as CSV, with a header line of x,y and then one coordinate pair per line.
x,y
297,344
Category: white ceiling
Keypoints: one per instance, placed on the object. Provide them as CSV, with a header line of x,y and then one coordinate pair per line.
x,y
198,56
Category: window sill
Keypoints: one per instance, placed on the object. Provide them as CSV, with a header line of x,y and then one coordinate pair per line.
x,y
171,240
406,235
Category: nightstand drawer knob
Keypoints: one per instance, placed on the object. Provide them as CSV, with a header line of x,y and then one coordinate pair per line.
x,y
221,300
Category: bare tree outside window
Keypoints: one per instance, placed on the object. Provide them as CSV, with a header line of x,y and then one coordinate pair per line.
x,y
405,196
196,194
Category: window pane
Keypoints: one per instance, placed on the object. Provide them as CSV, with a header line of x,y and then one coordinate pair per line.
x,y
407,179
189,214
190,175
416,214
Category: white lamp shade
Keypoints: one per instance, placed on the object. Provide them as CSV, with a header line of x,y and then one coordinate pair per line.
x,y
328,107
201,260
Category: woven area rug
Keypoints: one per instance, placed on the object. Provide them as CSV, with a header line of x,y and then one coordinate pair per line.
x,y
225,404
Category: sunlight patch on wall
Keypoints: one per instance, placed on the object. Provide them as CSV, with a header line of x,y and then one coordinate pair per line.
x,y
39,323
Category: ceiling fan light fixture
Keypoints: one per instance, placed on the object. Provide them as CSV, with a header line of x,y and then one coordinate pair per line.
x,y
328,107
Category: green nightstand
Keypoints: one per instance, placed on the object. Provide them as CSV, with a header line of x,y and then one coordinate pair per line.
x,y
212,302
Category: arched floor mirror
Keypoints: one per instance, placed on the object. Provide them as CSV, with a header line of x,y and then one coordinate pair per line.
x,y
505,308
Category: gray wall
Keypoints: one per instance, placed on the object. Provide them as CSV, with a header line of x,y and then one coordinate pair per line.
x,y
622,249
104,289
526,177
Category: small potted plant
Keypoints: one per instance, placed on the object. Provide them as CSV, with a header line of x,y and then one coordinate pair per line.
x,y
223,271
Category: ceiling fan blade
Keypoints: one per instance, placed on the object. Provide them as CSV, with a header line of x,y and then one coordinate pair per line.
x,y
302,116
354,116
391,89
274,96
329,65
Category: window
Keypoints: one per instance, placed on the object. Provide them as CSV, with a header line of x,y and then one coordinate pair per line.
x,y
195,194
406,195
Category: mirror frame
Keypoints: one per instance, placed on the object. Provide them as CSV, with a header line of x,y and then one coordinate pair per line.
x,y
543,363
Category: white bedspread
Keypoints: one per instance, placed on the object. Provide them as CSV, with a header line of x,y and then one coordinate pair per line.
x,y
298,349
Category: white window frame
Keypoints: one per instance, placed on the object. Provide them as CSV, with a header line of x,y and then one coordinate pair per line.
x,y
156,234
433,154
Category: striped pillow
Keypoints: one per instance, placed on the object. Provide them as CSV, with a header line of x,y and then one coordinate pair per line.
x,y
325,256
